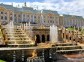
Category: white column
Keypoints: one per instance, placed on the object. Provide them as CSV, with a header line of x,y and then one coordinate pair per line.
x,y
3,16
42,20
25,17
29,25
17,17
23,26
13,17
29,18
26,26
8,17
22,17
33,18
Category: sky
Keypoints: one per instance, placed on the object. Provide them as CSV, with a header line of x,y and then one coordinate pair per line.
x,y
72,7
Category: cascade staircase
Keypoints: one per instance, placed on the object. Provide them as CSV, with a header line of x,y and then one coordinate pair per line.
x,y
16,36
68,48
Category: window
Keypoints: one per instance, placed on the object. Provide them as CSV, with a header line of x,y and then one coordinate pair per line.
x,y
53,21
5,12
1,17
5,17
10,13
44,16
34,16
10,18
19,15
38,16
27,15
31,16
50,21
24,15
50,17
15,15
1,12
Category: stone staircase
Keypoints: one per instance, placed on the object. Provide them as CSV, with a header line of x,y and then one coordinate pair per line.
x,y
16,36
1,38
68,48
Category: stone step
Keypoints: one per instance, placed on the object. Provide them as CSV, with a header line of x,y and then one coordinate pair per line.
x,y
19,37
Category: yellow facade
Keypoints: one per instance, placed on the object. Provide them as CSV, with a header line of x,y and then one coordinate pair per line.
x,y
71,20
46,17
6,15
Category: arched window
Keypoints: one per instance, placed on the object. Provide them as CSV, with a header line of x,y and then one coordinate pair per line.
x,y
37,38
43,38
63,35
48,37
70,38
66,36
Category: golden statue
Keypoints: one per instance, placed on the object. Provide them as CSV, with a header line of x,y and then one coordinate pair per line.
x,y
34,53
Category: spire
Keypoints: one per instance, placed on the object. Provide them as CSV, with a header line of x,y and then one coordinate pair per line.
x,y
18,5
25,4
12,3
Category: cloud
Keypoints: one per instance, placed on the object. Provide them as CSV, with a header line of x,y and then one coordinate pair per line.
x,y
74,7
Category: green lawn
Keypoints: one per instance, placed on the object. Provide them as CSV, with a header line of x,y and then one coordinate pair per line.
x,y
2,61
71,29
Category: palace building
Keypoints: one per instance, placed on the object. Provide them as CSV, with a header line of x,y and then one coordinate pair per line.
x,y
28,14
42,17
71,20
38,19
30,35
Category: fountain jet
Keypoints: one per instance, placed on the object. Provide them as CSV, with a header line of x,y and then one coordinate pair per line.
x,y
53,34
